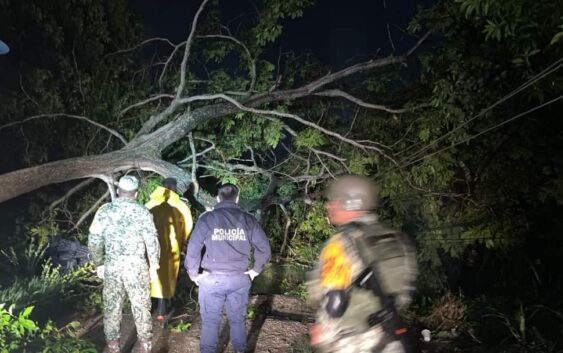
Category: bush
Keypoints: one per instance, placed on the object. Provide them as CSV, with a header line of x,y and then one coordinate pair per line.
x,y
295,289
63,340
18,333
49,285
26,258
448,313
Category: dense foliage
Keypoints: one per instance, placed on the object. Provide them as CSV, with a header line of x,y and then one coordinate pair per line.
x,y
463,136
19,333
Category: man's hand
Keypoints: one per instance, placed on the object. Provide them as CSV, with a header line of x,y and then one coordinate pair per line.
x,y
198,278
153,274
252,274
100,271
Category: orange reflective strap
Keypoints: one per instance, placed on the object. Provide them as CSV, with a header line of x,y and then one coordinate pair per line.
x,y
400,331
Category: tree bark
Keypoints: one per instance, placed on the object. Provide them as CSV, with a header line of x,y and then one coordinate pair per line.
x,y
25,180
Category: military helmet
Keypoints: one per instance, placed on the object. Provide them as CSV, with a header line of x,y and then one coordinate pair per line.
x,y
357,193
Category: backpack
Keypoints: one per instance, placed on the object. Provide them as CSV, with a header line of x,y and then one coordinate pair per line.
x,y
390,256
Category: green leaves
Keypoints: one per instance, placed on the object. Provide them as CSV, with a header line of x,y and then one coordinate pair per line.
x,y
268,34
313,222
244,130
524,25
272,13
474,7
273,133
557,37
253,187
469,187
424,134
310,138
147,187
180,326
16,330
287,189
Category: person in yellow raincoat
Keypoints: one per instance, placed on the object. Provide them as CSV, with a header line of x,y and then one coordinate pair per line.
x,y
174,223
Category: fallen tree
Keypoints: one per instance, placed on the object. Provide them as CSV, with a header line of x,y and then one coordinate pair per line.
x,y
167,126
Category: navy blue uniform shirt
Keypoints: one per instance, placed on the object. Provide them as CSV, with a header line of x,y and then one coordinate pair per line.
x,y
228,234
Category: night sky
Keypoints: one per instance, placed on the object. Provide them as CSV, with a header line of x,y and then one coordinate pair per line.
x,y
337,32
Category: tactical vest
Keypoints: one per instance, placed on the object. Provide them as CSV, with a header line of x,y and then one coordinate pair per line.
x,y
388,253
391,257
359,254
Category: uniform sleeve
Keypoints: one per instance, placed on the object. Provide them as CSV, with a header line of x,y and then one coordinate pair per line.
x,y
150,237
96,239
261,245
195,245
335,267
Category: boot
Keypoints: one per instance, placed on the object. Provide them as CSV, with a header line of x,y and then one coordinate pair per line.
x,y
160,309
113,346
145,346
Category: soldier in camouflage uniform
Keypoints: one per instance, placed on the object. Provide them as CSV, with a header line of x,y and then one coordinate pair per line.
x,y
121,234
365,274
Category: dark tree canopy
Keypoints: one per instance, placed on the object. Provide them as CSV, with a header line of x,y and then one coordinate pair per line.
x,y
460,130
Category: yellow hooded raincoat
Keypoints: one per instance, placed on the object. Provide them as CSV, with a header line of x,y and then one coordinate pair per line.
x,y
174,223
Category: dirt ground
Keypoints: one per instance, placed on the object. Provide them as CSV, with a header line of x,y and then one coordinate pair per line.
x,y
277,324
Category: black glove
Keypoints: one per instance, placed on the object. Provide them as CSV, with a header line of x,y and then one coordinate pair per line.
x,y
337,303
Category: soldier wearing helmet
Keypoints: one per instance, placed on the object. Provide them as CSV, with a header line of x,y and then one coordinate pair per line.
x,y
364,276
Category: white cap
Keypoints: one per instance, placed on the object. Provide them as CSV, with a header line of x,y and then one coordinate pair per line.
x,y
128,183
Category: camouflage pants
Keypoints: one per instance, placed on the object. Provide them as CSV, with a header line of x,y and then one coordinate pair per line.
x,y
362,343
131,279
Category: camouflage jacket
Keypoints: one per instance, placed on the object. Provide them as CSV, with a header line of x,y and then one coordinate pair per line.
x,y
123,229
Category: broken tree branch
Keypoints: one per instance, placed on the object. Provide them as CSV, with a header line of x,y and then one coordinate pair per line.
x,y
361,103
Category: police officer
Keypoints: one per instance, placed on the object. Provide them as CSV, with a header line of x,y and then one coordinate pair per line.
x,y
365,275
121,234
228,234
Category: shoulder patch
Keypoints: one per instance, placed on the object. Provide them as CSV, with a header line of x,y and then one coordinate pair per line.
x,y
336,269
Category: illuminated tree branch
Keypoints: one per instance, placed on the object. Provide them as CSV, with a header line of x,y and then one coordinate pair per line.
x,y
361,103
